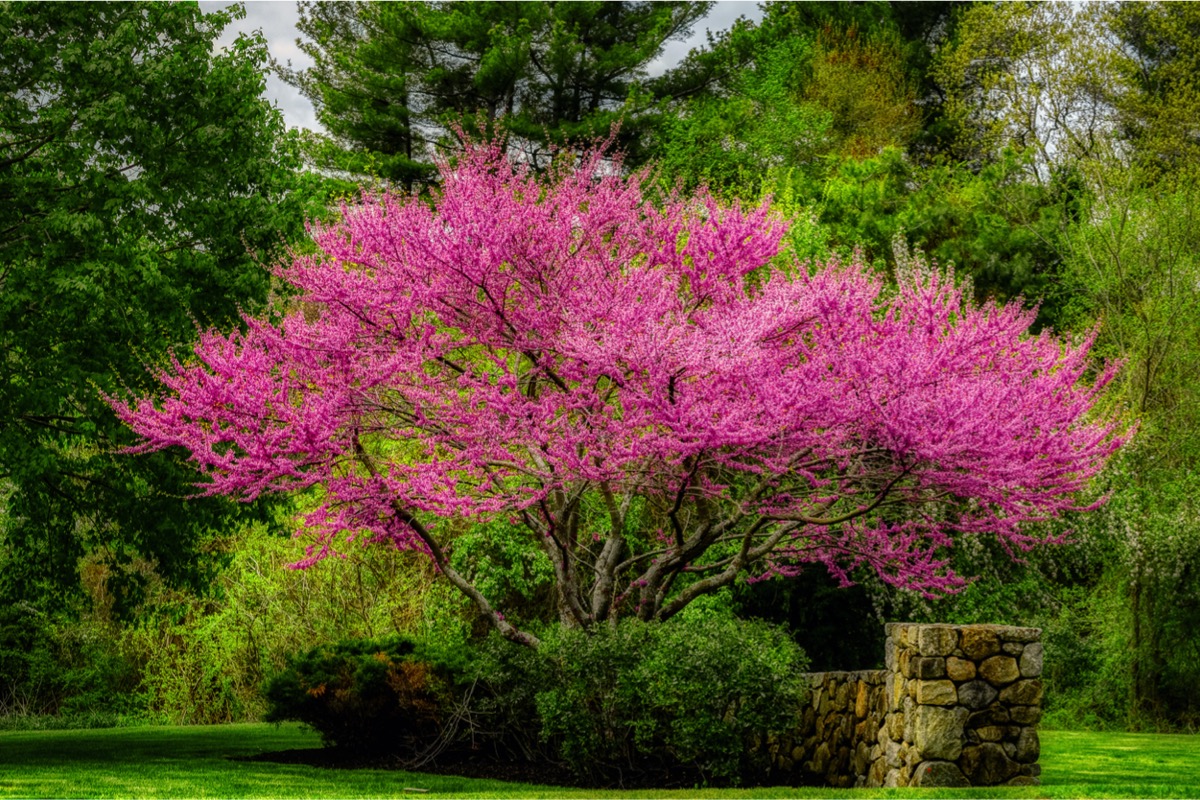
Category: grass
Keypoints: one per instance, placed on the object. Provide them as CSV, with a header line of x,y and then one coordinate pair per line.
x,y
196,762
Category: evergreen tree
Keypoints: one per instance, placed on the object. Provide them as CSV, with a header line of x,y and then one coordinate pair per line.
x,y
390,79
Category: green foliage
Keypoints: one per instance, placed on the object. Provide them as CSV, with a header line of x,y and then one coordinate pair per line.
x,y
810,79
783,95
807,241
144,182
993,226
728,142
73,672
862,80
205,659
511,571
1138,622
1162,46
28,671
1134,264
686,698
1118,604
390,80
376,695
1031,76
360,84
816,107
183,658
195,668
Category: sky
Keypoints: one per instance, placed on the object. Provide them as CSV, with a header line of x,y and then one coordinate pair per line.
x,y
277,20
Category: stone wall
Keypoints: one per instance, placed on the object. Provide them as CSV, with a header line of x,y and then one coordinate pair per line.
x,y
955,706
836,742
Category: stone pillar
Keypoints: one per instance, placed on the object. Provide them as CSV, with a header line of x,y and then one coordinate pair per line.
x,y
963,704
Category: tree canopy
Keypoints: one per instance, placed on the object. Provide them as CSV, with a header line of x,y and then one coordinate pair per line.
x,y
638,388
392,79
143,181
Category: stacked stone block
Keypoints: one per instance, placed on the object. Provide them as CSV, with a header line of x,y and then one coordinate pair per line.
x,y
838,729
963,706
955,706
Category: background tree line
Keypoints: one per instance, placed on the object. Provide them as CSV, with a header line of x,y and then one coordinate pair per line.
x,y
1046,151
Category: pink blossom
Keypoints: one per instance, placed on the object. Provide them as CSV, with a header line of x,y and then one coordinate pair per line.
x,y
521,343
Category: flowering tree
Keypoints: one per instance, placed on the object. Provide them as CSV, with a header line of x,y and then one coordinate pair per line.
x,y
635,386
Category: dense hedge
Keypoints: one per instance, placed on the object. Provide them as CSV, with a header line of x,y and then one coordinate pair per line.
x,y
681,701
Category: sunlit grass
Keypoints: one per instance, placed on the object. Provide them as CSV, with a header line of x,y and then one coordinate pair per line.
x,y
198,762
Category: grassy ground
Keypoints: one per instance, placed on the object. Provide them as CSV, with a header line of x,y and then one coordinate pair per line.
x,y
195,762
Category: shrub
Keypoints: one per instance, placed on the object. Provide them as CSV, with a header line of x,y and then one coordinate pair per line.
x,y
687,701
29,682
369,694
683,700
61,667
198,665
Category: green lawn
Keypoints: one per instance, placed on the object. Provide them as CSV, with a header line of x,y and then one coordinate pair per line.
x,y
194,762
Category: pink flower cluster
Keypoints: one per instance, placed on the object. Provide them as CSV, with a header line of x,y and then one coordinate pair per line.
x,y
520,342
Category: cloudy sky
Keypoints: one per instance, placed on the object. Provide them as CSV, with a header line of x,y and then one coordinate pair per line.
x,y
277,20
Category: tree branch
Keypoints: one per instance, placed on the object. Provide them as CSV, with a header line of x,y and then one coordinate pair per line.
x,y
506,629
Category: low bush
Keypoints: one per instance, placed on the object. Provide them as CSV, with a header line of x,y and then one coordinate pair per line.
x,y
684,702
679,702
373,695
29,673
59,667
